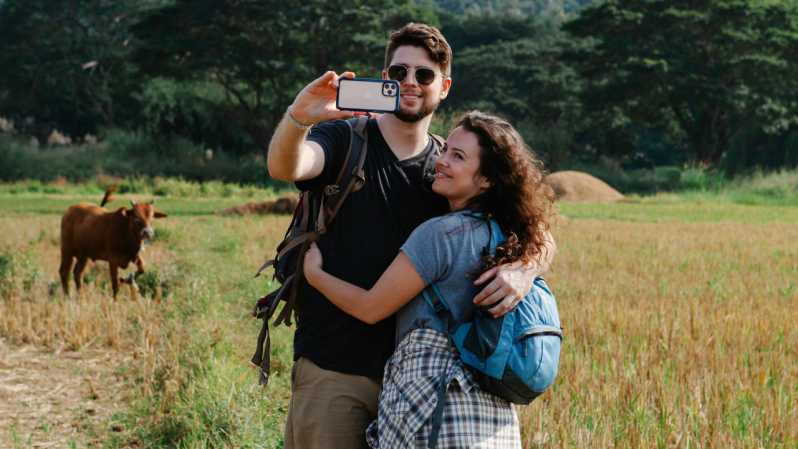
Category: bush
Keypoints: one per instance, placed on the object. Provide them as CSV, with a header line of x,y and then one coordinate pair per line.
x,y
152,284
753,150
19,160
132,155
701,179
791,150
18,272
191,109
641,180
6,273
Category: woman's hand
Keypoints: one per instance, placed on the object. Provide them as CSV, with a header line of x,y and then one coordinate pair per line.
x,y
312,263
508,285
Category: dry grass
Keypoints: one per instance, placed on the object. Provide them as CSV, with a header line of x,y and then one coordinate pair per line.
x,y
129,336
34,311
58,398
677,336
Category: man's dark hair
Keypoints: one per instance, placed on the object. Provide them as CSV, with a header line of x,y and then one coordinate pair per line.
x,y
423,36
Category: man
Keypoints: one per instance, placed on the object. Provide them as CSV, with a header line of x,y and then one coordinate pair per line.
x,y
338,359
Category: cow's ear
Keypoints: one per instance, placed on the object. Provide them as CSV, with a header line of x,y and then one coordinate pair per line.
x,y
159,214
123,211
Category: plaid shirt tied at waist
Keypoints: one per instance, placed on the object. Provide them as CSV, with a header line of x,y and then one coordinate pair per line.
x,y
425,362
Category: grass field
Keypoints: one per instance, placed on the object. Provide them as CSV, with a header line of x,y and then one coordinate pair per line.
x,y
680,317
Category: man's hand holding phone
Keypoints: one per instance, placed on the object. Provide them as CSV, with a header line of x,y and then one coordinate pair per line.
x,y
316,102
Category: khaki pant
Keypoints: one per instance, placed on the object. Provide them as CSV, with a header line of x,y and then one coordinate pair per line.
x,y
329,410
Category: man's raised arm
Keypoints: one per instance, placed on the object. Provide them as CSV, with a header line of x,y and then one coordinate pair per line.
x,y
290,157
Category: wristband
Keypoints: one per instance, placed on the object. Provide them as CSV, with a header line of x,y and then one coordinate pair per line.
x,y
296,122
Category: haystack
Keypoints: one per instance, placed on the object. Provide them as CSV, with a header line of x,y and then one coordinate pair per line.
x,y
574,186
284,205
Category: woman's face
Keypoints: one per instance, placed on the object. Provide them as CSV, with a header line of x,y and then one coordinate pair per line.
x,y
457,174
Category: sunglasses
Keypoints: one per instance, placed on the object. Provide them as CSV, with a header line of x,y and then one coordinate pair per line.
x,y
423,75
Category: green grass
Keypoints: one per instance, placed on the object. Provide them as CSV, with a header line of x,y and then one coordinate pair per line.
x,y
155,187
49,205
174,196
691,208
219,404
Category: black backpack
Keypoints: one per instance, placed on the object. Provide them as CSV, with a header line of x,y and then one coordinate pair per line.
x,y
313,215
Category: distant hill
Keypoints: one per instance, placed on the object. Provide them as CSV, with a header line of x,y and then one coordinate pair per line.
x,y
559,8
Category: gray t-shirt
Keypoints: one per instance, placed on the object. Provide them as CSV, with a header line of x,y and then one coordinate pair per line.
x,y
446,251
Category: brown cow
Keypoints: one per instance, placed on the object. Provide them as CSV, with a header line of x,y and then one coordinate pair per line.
x,y
91,232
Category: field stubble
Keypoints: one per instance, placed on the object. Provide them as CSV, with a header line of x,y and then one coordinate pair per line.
x,y
677,335
130,338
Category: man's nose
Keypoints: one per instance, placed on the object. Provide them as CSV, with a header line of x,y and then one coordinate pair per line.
x,y
410,78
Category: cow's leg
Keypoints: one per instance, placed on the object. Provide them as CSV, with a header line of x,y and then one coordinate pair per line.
x,y
139,266
114,278
78,272
63,271
131,279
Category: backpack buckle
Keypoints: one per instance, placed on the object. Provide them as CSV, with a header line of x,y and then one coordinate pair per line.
x,y
332,189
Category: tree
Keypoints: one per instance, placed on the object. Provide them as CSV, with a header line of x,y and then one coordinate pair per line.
x,y
511,66
521,79
261,52
525,8
64,62
699,68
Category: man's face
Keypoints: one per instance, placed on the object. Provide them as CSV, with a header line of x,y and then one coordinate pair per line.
x,y
418,100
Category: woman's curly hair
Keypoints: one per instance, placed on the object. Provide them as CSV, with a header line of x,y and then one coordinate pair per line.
x,y
517,197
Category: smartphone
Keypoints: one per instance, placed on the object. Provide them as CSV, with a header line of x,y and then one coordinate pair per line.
x,y
367,95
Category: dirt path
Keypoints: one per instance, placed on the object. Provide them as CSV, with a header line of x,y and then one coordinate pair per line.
x,y
55,399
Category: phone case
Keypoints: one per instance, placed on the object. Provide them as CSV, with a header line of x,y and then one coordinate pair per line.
x,y
367,95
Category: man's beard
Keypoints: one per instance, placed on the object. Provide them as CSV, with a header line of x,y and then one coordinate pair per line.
x,y
412,117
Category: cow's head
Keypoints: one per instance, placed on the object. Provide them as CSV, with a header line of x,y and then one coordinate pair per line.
x,y
140,216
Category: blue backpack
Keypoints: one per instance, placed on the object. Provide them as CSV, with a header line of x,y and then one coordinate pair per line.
x,y
514,357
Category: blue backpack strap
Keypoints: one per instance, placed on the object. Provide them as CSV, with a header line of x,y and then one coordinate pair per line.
x,y
437,414
496,235
435,299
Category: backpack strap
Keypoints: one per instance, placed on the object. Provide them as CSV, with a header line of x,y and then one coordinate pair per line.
x,y
351,177
312,217
433,296
429,163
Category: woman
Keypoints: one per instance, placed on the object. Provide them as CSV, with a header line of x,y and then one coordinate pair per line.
x,y
485,171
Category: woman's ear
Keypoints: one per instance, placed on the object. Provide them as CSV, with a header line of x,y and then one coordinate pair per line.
x,y
483,183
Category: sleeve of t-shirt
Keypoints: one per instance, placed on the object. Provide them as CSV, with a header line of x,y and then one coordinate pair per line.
x,y
333,137
429,249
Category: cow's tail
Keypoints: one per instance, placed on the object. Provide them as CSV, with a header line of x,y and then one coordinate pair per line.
x,y
109,195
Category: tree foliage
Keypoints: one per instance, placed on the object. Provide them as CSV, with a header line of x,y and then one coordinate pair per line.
x,y
523,79
697,68
644,82
261,52
64,61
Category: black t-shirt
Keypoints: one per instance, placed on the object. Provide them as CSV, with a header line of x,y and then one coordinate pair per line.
x,y
362,241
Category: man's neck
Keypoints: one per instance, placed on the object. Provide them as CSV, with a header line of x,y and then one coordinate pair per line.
x,y
406,140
